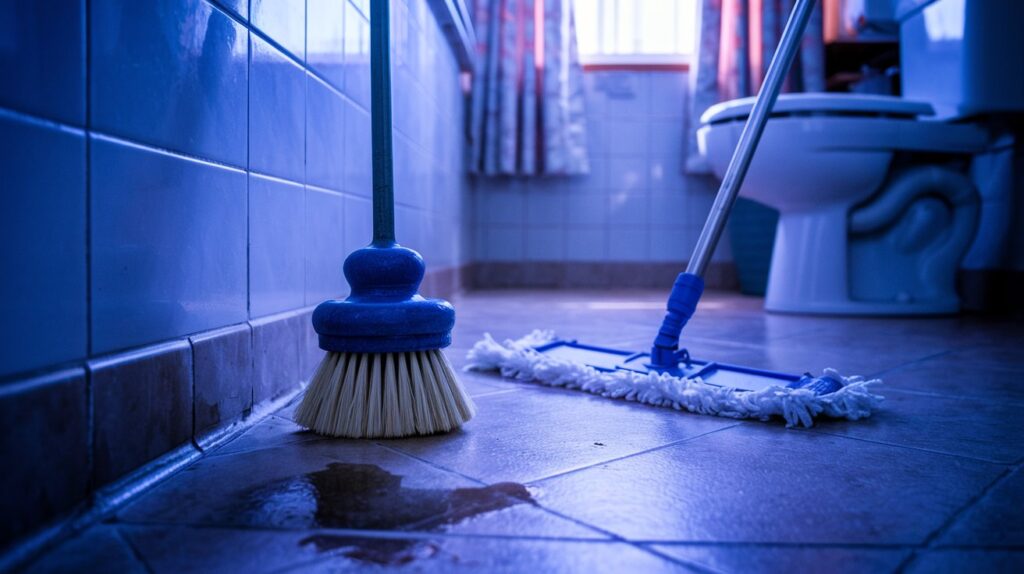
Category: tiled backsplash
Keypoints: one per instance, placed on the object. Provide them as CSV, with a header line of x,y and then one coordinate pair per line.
x,y
636,205
180,181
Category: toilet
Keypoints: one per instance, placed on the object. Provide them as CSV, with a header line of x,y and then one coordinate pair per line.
x,y
876,205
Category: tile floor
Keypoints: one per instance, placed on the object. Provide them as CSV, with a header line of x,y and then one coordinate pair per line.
x,y
548,480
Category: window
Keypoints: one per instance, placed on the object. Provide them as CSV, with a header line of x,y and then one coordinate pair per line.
x,y
636,31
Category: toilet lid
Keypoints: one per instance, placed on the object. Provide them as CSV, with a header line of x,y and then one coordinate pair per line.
x,y
821,104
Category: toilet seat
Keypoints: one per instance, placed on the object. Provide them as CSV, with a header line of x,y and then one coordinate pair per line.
x,y
821,104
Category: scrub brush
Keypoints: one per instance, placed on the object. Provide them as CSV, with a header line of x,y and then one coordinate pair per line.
x,y
384,374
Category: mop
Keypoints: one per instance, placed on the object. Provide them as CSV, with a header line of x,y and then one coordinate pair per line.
x,y
667,376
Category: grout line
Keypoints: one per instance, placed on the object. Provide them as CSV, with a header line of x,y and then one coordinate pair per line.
x,y
906,447
635,454
432,464
933,537
136,553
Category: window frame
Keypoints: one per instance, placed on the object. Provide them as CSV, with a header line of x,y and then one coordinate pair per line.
x,y
608,60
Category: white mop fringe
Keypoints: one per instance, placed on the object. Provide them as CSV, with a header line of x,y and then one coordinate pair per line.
x,y
516,359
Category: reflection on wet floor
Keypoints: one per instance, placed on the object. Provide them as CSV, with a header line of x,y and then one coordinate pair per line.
x,y
367,497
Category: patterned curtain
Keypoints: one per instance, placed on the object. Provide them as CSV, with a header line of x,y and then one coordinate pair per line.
x,y
527,106
737,41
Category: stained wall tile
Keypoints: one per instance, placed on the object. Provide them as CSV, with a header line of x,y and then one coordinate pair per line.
x,y
142,405
277,113
190,95
44,449
42,230
357,56
358,158
42,60
223,376
168,245
276,264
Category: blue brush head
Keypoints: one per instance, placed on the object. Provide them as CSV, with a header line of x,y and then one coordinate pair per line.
x,y
384,313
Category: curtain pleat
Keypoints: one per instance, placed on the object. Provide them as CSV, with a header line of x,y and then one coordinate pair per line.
x,y
527,121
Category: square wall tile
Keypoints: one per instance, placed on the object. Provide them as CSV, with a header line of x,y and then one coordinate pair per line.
x,y
190,95
222,362
545,243
357,56
42,60
626,137
168,245
358,158
587,244
545,206
504,243
325,136
628,209
505,206
277,345
42,230
44,449
325,39
629,244
358,223
142,405
324,246
276,266
669,244
284,21
587,208
628,174
277,114
669,94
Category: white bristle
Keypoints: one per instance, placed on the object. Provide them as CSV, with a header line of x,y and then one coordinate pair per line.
x,y
384,395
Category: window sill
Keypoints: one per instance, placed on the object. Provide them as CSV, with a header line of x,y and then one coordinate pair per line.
x,y
636,67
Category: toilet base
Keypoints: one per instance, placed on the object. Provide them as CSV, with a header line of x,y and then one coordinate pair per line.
x,y
866,308
809,272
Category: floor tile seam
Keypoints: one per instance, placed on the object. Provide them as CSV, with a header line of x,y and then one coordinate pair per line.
x,y
977,499
496,391
979,547
223,455
399,451
912,362
779,544
917,393
358,533
560,474
688,564
136,552
908,447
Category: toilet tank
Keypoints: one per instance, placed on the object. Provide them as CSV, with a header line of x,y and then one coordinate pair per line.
x,y
965,57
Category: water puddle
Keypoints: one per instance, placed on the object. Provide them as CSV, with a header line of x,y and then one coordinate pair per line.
x,y
367,497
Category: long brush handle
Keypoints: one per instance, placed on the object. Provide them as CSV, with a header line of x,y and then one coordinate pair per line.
x,y
380,119
689,286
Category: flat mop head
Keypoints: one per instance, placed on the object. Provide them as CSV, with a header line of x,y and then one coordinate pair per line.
x,y
704,387
384,375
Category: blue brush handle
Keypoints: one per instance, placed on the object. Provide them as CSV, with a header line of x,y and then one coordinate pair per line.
x,y
682,303
380,119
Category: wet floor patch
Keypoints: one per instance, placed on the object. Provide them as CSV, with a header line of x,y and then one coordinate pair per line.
x,y
367,497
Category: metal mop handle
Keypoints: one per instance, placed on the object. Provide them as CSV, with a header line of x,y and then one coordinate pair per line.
x,y
689,285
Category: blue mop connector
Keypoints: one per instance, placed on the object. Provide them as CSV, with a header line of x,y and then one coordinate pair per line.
x,y
682,303
384,313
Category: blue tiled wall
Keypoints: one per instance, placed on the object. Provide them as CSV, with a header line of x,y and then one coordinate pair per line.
x,y
209,163
635,206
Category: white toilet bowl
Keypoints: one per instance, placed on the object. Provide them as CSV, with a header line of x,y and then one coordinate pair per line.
x,y
875,213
